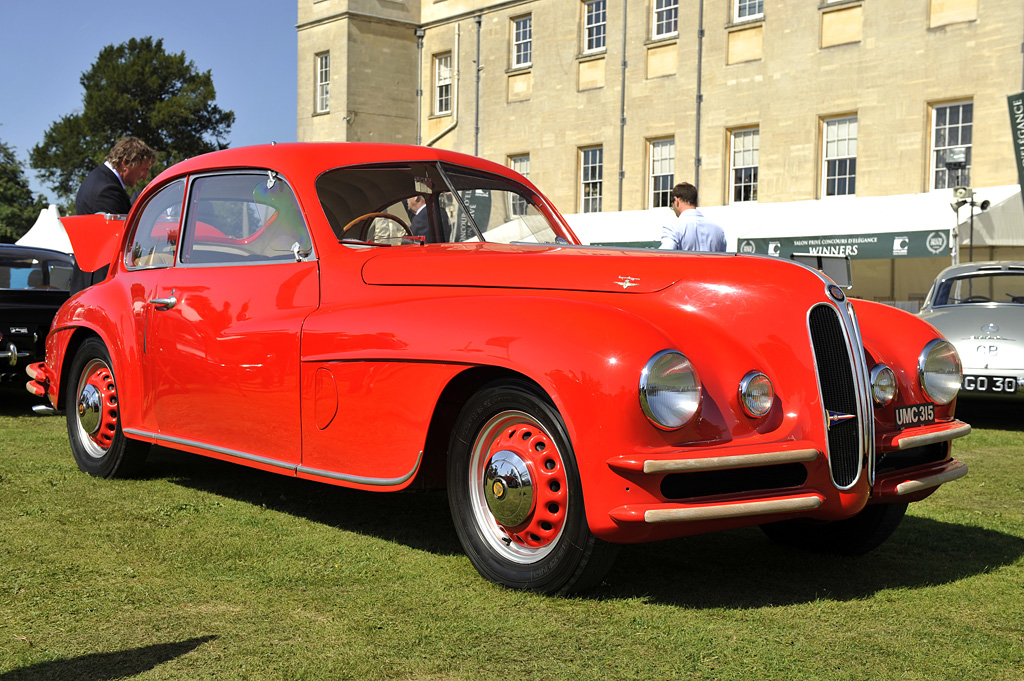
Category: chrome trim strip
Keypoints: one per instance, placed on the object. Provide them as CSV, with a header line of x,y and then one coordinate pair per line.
x,y
865,402
720,463
932,438
932,480
673,515
376,482
44,410
211,448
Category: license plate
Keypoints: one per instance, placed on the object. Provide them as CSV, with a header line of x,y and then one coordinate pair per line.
x,y
915,415
1003,385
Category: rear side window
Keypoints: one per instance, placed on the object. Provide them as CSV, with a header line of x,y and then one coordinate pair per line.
x,y
29,271
156,233
244,218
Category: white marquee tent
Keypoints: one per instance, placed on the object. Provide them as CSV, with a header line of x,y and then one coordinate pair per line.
x,y
47,232
1001,225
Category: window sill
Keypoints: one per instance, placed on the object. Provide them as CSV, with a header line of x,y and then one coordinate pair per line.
x,y
591,56
661,41
744,23
516,70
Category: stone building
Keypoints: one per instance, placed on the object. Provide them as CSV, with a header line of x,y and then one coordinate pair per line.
x,y
604,104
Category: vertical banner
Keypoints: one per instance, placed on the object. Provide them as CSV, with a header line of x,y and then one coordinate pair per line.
x,y
1016,103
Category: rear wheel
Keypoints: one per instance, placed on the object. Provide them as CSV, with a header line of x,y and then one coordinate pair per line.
x,y
93,417
515,494
851,537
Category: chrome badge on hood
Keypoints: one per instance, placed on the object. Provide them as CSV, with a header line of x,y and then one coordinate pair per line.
x,y
626,282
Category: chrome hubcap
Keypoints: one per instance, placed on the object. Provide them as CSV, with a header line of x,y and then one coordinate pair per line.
x,y
508,489
89,409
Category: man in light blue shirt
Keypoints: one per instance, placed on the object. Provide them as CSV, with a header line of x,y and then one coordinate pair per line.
x,y
690,231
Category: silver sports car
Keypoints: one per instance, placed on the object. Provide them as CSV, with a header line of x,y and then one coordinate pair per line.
x,y
979,307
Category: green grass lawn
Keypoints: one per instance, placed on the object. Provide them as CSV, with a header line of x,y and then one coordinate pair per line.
x,y
204,570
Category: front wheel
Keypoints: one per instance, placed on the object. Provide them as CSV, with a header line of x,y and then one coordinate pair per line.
x,y
515,494
93,414
851,537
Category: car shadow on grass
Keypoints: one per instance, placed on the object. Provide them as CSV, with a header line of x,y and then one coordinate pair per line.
x,y
744,569
734,569
991,414
419,519
102,666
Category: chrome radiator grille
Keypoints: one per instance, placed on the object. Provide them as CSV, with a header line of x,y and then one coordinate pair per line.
x,y
838,393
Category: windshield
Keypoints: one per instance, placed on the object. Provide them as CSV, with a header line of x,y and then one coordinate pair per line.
x,y
431,203
978,288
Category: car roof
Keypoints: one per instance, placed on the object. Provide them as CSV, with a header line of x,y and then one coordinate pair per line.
x,y
989,266
310,159
35,252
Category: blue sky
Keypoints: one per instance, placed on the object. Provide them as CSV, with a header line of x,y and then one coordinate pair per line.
x,y
249,46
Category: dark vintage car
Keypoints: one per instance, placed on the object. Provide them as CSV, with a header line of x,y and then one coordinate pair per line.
x,y
33,285
380,316
979,307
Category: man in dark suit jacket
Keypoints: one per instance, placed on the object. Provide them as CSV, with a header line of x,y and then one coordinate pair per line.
x,y
418,225
105,191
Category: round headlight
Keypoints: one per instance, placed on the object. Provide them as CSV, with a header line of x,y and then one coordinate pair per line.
x,y
883,385
756,394
669,390
940,372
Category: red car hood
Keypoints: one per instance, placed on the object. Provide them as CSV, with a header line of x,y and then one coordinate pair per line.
x,y
569,268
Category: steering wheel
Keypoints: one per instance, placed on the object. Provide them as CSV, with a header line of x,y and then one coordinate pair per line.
x,y
976,299
367,220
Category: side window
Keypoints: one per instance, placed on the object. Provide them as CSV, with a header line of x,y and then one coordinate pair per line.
x,y
156,232
244,218
492,209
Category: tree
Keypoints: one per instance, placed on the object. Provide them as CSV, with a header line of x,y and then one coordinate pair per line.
x,y
135,88
18,208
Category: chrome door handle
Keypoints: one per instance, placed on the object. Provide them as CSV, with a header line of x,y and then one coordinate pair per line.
x,y
164,303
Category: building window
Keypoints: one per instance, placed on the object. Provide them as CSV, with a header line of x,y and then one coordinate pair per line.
x,y
952,130
591,177
323,82
595,25
443,83
522,41
839,172
520,164
663,162
748,9
743,153
666,18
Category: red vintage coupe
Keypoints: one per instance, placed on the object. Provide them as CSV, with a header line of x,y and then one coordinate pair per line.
x,y
364,315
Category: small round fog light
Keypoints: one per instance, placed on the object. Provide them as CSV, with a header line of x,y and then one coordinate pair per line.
x,y
883,385
756,394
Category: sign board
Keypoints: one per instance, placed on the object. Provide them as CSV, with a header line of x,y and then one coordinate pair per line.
x,y
911,244
1016,103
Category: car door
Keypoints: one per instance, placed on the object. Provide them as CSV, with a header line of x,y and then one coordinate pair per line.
x,y
222,357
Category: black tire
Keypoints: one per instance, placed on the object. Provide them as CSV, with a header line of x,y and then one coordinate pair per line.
x,y
94,417
524,536
851,537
